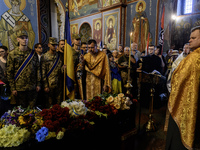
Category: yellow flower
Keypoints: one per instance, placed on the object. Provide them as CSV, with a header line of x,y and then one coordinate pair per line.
x,y
60,135
21,120
50,135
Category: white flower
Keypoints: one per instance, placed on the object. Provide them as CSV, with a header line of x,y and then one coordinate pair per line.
x,y
64,104
128,101
76,108
120,95
110,99
117,105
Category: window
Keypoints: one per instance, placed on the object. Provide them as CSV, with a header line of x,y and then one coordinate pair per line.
x,y
188,6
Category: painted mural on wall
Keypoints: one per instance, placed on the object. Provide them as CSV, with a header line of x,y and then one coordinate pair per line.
x,y
85,32
97,30
80,8
181,29
17,15
141,21
107,3
140,28
196,6
111,30
131,0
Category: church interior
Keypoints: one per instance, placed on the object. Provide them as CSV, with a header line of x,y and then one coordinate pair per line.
x,y
140,39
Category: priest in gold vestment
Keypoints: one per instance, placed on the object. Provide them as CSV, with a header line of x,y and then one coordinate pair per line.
x,y
98,77
184,102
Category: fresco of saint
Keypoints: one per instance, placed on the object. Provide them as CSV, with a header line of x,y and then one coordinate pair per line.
x,y
110,37
97,31
140,26
14,21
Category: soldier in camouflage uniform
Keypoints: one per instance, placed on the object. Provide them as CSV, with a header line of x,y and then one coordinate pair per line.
x,y
53,80
24,88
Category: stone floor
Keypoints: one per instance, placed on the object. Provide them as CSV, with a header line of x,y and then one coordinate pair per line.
x,y
147,140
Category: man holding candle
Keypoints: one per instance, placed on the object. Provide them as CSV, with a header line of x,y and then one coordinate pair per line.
x,y
123,64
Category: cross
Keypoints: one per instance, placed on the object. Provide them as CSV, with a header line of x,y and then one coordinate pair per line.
x,y
8,18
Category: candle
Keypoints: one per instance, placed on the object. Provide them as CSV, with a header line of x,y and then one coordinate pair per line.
x,y
129,65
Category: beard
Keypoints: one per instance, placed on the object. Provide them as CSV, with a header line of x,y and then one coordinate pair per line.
x,y
16,9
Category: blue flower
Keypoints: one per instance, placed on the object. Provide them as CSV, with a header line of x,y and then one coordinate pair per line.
x,y
45,131
41,134
4,115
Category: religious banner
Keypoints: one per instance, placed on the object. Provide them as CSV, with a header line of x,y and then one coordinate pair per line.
x,y
18,15
97,30
111,30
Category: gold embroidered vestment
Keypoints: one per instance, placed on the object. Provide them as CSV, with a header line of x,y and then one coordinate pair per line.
x,y
184,101
97,74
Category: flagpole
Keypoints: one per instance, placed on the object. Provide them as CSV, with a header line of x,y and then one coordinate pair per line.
x,y
64,87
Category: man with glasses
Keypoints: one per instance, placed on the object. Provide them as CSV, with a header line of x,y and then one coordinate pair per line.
x,y
150,63
97,70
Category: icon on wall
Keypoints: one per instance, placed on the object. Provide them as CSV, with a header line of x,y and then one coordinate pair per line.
x,y
14,21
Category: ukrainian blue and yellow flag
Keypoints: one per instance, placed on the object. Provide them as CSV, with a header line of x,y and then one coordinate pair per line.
x,y
68,60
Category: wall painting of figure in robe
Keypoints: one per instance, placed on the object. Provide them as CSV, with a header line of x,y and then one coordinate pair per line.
x,y
97,30
17,15
140,26
111,30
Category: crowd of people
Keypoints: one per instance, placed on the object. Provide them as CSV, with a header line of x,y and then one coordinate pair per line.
x,y
31,77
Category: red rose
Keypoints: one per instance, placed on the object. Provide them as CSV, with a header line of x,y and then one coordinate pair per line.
x,y
97,98
56,124
63,121
48,116
44,112
49,125
65,112
56,107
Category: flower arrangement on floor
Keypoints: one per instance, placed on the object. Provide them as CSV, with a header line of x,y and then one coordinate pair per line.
x,y
100,107
12,136
20,124
55,118
76,108
119,101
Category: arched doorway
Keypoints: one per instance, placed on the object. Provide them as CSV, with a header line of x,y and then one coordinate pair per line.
x,y
85,32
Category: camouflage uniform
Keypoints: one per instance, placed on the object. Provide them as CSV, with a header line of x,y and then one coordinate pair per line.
x,y
76,56
27,81
54,80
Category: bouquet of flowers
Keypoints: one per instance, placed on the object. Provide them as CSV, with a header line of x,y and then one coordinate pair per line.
x,y
119,102
12,136
55,118
76,108
11,117
100,107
